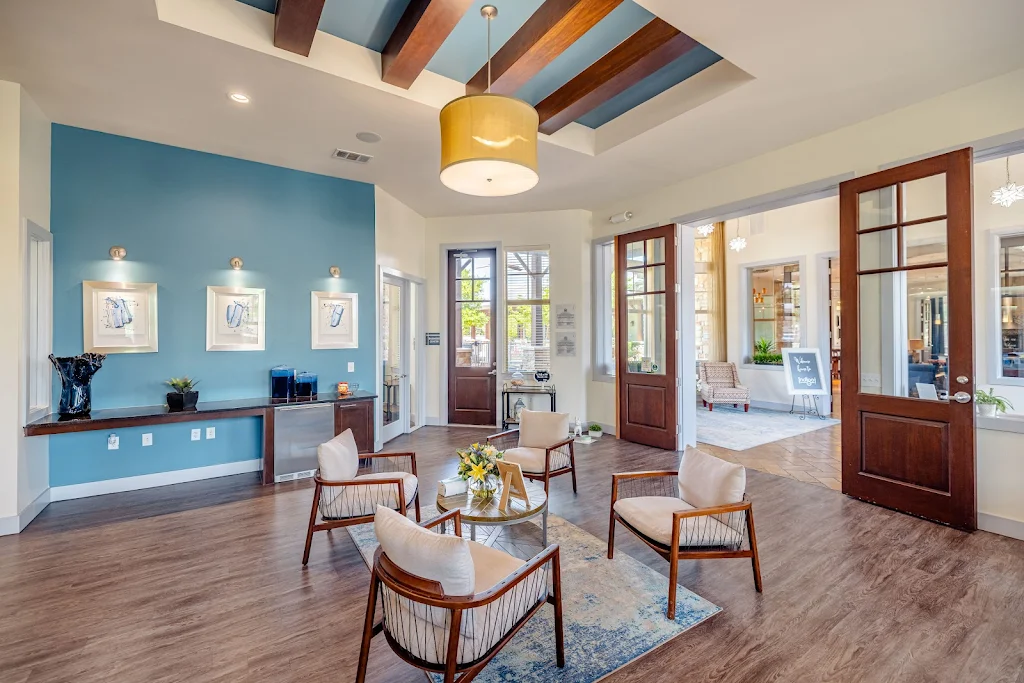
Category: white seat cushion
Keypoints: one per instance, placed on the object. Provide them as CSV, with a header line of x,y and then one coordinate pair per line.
x,y
491,566
706,481
338,502
652,517
539,429
338,459
529,459
424,553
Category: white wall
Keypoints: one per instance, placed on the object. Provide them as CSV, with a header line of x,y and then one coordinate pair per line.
x,y
400,235
565,234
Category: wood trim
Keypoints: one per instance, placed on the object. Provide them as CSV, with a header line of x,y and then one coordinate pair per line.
x,y
555,26
104,423
295,23
652,47
424,26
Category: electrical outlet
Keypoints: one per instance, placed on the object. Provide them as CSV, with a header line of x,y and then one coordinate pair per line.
x,y
351,366
197,434
147,439
211,432
868,379
113,442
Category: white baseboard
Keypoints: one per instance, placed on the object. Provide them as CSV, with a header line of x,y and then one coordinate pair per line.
x,y
148,481
770,405
1003,526
17,523
433,422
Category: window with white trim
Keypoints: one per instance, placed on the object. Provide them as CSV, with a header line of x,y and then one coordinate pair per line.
x,y
1011,306
527,309
38,316
604,311
774,311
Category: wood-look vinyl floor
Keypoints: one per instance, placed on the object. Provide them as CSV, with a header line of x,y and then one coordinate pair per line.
x,y
203,582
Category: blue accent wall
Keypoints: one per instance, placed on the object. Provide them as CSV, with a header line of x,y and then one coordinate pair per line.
x,y
182,215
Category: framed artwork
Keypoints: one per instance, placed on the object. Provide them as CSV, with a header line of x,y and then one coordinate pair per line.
x,y
235,319
119,317
335,320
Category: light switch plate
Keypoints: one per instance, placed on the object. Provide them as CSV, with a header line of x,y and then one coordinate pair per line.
x,y
211,432
147,439
351,366
197,434
113,442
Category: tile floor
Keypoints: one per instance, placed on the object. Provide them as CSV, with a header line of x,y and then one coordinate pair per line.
x,y
813,457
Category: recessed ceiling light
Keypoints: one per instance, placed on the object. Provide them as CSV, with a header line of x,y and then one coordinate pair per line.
x,y
368,136
239,97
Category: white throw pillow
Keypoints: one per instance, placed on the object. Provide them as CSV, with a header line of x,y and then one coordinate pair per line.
x,y
706,481
338,458
423,553
539,429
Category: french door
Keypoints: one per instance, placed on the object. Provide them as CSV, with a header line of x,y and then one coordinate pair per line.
x,y
395,342
472,356
906,237
645,283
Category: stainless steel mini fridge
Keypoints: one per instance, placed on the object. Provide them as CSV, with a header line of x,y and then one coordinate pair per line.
x,y
298,430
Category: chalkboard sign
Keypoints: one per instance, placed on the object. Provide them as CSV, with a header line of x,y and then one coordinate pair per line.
x,y
804,374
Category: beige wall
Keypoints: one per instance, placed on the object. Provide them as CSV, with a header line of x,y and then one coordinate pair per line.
x,y
565,234
400,235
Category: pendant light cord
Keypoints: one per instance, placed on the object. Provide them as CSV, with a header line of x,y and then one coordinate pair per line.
x,y
489,76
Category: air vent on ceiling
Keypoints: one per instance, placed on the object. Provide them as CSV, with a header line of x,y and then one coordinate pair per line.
x,y
346,155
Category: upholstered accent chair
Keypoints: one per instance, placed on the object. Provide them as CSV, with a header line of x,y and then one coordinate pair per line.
x,y
448,604
346,494
698,512
720,383
541,446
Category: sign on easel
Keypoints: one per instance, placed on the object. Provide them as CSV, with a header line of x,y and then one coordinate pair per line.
x,y
513,485
804,373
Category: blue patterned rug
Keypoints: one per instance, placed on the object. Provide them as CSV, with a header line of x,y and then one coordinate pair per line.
x,y
736,430
613,611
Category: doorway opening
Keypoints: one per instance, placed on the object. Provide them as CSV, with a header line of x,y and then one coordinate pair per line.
x,y
835,336
402,365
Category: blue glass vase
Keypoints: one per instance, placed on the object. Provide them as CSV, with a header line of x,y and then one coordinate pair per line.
x,y
76,382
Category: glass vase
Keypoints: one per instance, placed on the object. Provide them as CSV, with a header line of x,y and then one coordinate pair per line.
x,y
484,488
76,382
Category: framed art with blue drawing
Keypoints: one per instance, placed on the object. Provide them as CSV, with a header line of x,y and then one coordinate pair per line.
x,y
235,319
334,319
119,317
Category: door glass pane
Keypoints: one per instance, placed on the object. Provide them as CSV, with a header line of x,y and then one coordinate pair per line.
x,y
1011,305
474,348
465,290
634,254
656,250
877,208
464,267
635,281
876,250
482,268
647,336
924,243
904,333
656,278
391,342
924,198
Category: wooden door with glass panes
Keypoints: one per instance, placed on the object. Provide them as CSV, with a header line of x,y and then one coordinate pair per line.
x,y
472,359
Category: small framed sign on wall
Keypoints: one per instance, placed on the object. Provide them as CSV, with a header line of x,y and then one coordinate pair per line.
x,y
804,373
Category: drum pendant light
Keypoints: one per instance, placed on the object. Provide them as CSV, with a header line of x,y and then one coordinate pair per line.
x,y
488,141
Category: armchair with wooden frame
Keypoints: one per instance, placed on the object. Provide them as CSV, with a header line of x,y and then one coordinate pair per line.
x,y
698,512
541,446
350,485
449,605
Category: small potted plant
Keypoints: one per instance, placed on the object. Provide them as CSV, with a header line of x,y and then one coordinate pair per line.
x,y
595,430
988,403
184,396
765,353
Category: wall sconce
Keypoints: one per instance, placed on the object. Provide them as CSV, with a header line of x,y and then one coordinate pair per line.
x,y
118,253
235,263
335,271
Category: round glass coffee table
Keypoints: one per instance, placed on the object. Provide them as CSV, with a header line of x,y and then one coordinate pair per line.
x,y
485,511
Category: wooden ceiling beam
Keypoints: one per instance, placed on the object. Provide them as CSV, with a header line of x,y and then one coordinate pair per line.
x,y
295,23
425,25
555,26
654,46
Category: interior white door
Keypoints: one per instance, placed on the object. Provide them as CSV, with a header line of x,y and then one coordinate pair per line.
x,y
396,353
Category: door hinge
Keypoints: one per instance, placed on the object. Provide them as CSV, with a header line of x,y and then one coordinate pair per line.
x,y
677,290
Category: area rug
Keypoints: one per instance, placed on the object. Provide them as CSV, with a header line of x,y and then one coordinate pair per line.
x,y
736,430
613,612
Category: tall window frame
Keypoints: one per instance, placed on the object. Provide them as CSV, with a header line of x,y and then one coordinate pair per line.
x,y
604,310
38,299
527,308
790,334
1006,341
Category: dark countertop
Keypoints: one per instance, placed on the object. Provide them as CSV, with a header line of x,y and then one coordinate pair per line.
x,y
141,415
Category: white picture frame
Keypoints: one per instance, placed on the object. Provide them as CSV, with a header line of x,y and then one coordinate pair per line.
x,y
797,363
119,317
334,320
235,319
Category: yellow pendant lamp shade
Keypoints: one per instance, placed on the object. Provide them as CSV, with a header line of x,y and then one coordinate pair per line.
x,y
489,145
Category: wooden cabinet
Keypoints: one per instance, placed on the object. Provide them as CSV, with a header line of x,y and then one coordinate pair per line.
x,y
356,415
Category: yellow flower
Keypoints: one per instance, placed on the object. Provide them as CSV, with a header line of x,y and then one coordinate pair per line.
x,y
477,472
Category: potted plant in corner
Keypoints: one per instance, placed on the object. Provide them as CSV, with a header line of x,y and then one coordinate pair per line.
x,y
595,430
765,354
988,403
184,396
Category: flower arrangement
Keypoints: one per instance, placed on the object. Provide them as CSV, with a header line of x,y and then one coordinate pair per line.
x,y
478,465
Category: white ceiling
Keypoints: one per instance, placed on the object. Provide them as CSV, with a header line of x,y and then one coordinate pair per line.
x,y
111,65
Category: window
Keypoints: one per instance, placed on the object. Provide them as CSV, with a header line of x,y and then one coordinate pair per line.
x,y
39,307
702,291
1011,306
604,311
774,311
527,310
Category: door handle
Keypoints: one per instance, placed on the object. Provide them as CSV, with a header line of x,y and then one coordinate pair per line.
x,y
493,372
962,397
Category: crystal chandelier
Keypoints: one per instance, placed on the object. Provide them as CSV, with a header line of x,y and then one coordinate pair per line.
x,y
1010,192
738,243
705,230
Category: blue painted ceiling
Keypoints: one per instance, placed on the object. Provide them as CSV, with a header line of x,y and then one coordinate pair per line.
x,y
370,22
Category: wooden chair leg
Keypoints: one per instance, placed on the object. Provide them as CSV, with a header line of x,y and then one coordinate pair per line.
x,y
611,536
451,659
746,407
754,559
735,405
673,573
417,507
557,587
711,407
705,403
364,648
572,464
547,481
312,523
